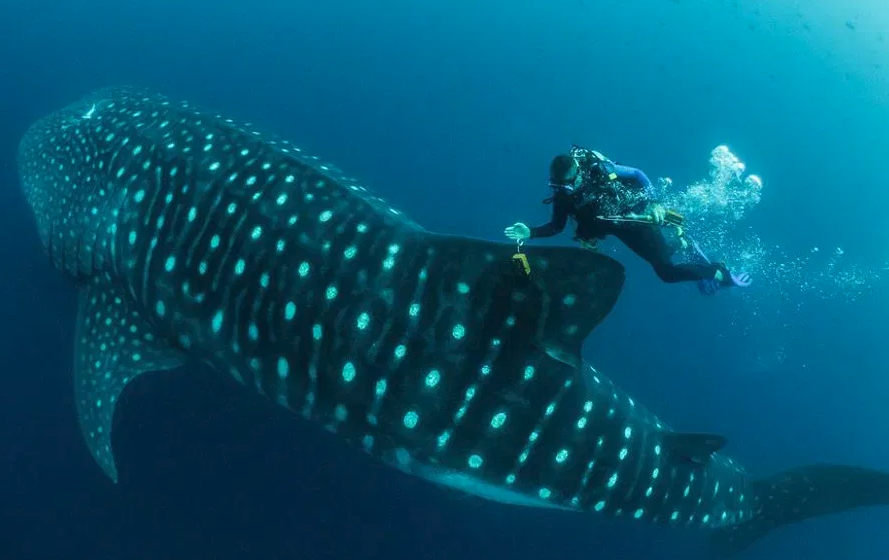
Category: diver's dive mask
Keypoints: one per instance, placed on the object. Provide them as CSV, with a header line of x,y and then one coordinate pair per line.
x,y
571,181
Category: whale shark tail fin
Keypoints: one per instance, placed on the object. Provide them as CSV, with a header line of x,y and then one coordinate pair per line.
x,y
799,494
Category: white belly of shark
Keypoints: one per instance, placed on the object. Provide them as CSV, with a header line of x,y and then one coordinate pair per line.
x,y
470,485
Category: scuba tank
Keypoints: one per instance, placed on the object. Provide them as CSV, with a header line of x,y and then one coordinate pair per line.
x,y
597,168
671,218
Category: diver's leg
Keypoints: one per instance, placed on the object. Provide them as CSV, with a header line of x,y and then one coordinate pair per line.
x,y
648,242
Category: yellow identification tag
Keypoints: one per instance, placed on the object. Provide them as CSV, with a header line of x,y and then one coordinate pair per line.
x,y
521,263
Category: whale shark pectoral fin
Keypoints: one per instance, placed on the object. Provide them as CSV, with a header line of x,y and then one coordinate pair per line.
x,y
113,345
694,448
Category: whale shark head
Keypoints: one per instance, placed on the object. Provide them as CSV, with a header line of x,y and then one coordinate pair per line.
x,y
196,238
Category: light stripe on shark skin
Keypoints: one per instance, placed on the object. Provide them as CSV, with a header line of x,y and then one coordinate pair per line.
x,y
192,237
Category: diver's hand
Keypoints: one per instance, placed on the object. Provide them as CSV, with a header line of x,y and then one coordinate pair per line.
x,y
517,232
657,213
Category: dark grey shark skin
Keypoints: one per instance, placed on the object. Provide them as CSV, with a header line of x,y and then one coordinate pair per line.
x,y
193,238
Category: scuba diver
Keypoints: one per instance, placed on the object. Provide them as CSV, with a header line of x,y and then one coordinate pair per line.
x,y
605,198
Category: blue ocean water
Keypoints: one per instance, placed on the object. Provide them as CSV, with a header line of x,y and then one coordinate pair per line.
x,y
452,111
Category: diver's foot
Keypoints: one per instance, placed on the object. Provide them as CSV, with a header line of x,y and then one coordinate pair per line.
x,y
723,278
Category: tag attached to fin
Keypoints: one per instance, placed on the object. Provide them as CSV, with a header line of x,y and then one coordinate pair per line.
x,y
694,448
113,345
520,261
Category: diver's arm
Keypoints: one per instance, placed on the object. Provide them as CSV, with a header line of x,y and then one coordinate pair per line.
x,y
556,223
635,177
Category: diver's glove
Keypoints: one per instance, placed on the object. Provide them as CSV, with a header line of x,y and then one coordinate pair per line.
x,y
657,213
518,232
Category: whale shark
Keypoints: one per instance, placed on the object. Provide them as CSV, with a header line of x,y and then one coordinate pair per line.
x,y
192,238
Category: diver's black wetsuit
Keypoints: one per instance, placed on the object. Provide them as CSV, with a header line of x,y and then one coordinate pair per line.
x,y
644,239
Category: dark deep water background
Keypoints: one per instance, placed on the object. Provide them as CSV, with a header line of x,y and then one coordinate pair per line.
x,y
451,110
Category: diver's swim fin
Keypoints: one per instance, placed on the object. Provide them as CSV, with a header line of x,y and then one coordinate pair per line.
x,y
709,286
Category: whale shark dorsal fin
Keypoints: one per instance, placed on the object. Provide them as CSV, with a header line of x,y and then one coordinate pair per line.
x,y
562,295
567,294
581,288
694,448
113,344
